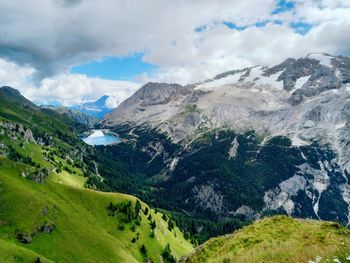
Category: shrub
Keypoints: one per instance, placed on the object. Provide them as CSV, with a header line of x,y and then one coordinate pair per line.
x,y
171,225
121,226
143,250
123,211
167,255
187,235
137,207
153,224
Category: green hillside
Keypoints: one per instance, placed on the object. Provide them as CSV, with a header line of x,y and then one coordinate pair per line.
x,y
14,107
278,239
47,214
83,230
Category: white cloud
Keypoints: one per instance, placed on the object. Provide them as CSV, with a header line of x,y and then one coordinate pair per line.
x,y
66,89
70,89
320,11
47,37
221,49
113,101
13,75
52,35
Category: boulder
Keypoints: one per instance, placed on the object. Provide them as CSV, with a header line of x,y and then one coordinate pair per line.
x,y
24,238
48,228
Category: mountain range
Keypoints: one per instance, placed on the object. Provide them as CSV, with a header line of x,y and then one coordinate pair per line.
x,y
237,155
99,108
250,141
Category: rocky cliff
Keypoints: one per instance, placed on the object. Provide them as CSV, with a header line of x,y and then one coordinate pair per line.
x,y
305,100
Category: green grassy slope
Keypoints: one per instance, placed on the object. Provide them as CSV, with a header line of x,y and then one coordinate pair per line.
x,y
14,107
84,231
45,211
278,239
10,252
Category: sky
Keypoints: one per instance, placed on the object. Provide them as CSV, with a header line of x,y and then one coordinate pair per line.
x,y
66,52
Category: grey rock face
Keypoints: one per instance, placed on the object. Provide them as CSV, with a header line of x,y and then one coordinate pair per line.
x,y
28,136
48,228
159,93
247,212
293,69
305,99
296,98
208,198
39,175
315,114
151,95
233,150
322,77
240,99
23,238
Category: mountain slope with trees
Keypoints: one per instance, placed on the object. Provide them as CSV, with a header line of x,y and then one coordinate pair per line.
x,y
47,214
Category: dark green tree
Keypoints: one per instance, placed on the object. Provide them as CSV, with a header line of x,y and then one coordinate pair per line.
x,y
137,207
167,255
143,250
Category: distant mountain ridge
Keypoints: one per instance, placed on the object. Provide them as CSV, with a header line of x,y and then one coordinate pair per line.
x,y
99,108
83,118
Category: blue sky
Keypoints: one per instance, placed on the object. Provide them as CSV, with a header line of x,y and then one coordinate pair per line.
x,y
284,6
115,68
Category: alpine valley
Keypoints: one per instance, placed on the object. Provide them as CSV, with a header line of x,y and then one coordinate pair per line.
x,y
47,211
240,155
245,144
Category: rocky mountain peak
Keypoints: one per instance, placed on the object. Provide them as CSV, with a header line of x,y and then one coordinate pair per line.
x,y
273,100
159,93
304,101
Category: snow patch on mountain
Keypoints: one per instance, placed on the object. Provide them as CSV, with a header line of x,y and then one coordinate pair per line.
x,y
324,59
254,75
300,83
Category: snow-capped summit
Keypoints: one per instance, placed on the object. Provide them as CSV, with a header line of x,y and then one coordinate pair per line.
x,y
324,58
98,108
304,99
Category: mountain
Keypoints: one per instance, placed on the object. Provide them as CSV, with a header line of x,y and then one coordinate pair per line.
x,y
49,210
246,143
16,108
80,117
99,108
278,239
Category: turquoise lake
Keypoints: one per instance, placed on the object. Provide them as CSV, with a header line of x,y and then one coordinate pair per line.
x,y
98,137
